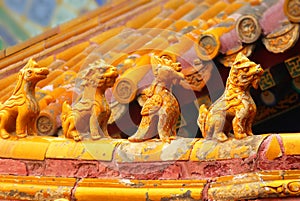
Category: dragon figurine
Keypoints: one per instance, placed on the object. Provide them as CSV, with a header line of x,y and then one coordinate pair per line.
x,y
235,109
161,109
19,112
91,113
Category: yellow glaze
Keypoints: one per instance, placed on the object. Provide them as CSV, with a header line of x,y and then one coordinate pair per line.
x,y
154,150
235,109
232,148
92,110
35,188
274,150
19,112
291,144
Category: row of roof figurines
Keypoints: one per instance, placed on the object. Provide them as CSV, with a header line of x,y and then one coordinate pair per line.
x,y
234,110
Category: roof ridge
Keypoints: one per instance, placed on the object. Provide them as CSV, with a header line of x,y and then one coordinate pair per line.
x,y
42,46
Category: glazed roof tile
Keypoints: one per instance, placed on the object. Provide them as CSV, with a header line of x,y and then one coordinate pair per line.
x,y
118,30
103,14
271,146
109,20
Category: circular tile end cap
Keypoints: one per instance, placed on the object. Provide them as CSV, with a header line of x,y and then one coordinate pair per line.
x,y
248,29
208,47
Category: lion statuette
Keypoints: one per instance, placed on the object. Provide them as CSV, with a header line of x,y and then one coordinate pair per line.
x,y
19,112
91,112
161,110
235,109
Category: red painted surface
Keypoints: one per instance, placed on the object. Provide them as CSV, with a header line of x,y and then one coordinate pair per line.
x,y
283,162
151,170
12,167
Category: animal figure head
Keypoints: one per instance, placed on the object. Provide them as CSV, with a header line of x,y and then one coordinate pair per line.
x,y
165,69
32,72
99,74
244,72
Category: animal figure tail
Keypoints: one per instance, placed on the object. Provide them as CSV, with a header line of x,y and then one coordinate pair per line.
x,y
202,119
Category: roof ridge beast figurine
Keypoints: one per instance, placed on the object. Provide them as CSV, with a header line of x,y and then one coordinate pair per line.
x,y
91,112
19,112
235,109
161,110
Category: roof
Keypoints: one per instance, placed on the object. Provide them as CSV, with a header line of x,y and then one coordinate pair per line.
x,y
204,20
200,33
204,36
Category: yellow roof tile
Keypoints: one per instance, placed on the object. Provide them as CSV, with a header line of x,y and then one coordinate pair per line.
x,y
154,151
33,187
71,52
127,7
22,55
102,37
274,149
205,150
86,150
2,53
52,75
291,143
46,61
22,148
31,41
135,190
213,10
6,93
5,82
182,10
173,4
143,18
153,22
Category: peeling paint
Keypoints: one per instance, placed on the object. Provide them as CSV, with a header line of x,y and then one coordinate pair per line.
x,y
19,195
183,197
127,182
73,190
147,197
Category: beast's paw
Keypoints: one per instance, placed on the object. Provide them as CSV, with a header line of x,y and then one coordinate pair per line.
x,y
75,136
95,136
135,139
250,134
4,134
221,137
166,140
21,135
240,135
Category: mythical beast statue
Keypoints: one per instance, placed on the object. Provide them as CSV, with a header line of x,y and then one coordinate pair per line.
x,y
235,109
20,111
91,112
161,110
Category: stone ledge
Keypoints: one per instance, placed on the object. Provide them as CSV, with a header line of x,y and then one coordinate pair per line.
x,y
35,188
264,184
32,148
123,151
154,150
258,167
87,150
258,186
212,150
183,158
